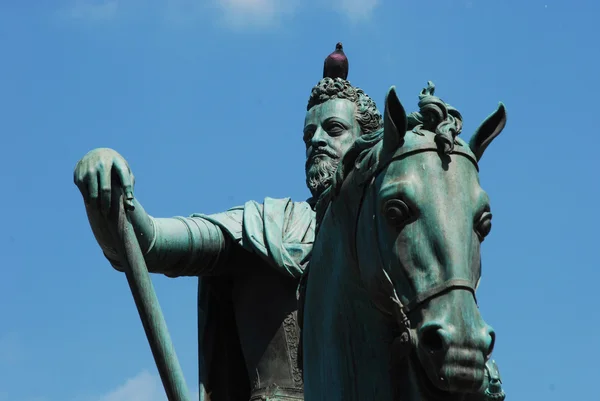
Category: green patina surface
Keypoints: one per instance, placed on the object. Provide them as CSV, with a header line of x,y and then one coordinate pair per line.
x,y
264,248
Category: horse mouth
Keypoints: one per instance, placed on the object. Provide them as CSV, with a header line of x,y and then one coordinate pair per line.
x,y
428,388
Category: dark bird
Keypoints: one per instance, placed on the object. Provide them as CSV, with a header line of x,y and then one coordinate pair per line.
x,y
336,64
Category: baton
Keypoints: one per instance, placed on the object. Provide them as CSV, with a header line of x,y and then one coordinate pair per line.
x,y
134,266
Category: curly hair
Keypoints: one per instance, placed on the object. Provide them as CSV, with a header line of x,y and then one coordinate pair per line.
x,y
367,115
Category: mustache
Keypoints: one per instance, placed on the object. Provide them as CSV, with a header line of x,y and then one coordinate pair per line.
x,y
321,152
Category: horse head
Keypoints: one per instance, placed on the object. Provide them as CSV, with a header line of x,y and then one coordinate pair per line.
x,y
422,220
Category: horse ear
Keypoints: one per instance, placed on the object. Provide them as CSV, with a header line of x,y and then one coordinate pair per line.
x,y
394,122
489,129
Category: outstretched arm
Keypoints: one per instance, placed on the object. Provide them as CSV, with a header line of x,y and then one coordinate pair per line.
x,y
174,247
279,231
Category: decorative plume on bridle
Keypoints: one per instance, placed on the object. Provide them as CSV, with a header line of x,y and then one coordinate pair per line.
x,y
436,116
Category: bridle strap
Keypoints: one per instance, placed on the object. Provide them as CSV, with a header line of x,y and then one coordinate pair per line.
x,y
451,284
402,153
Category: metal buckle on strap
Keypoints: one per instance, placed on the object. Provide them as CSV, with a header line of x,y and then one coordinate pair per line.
x,y
402,343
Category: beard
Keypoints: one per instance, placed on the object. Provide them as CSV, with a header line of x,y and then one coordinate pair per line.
x,y
319,173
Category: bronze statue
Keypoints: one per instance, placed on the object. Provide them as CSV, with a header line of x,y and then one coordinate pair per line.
x,y
249,259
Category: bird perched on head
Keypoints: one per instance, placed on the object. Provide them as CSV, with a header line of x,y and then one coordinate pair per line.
x,y
336,64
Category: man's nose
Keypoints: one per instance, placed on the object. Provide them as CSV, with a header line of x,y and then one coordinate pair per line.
x,y
318,139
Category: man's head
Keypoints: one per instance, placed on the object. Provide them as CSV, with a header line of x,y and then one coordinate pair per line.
x,y
338,113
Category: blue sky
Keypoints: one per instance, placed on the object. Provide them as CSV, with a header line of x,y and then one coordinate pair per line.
x,y
206,100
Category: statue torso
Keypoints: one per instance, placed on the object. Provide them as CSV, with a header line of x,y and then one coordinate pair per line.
x,y
273,240
265,308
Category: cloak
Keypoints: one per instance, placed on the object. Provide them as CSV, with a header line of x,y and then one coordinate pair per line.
x,y
278,233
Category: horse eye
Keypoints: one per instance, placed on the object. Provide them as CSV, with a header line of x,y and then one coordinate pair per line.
x,y
484,226
396,211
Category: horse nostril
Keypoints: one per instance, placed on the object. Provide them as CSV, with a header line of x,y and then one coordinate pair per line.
x,y
431,337
491,343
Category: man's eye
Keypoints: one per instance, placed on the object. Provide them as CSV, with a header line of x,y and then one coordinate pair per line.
x,y
335,127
